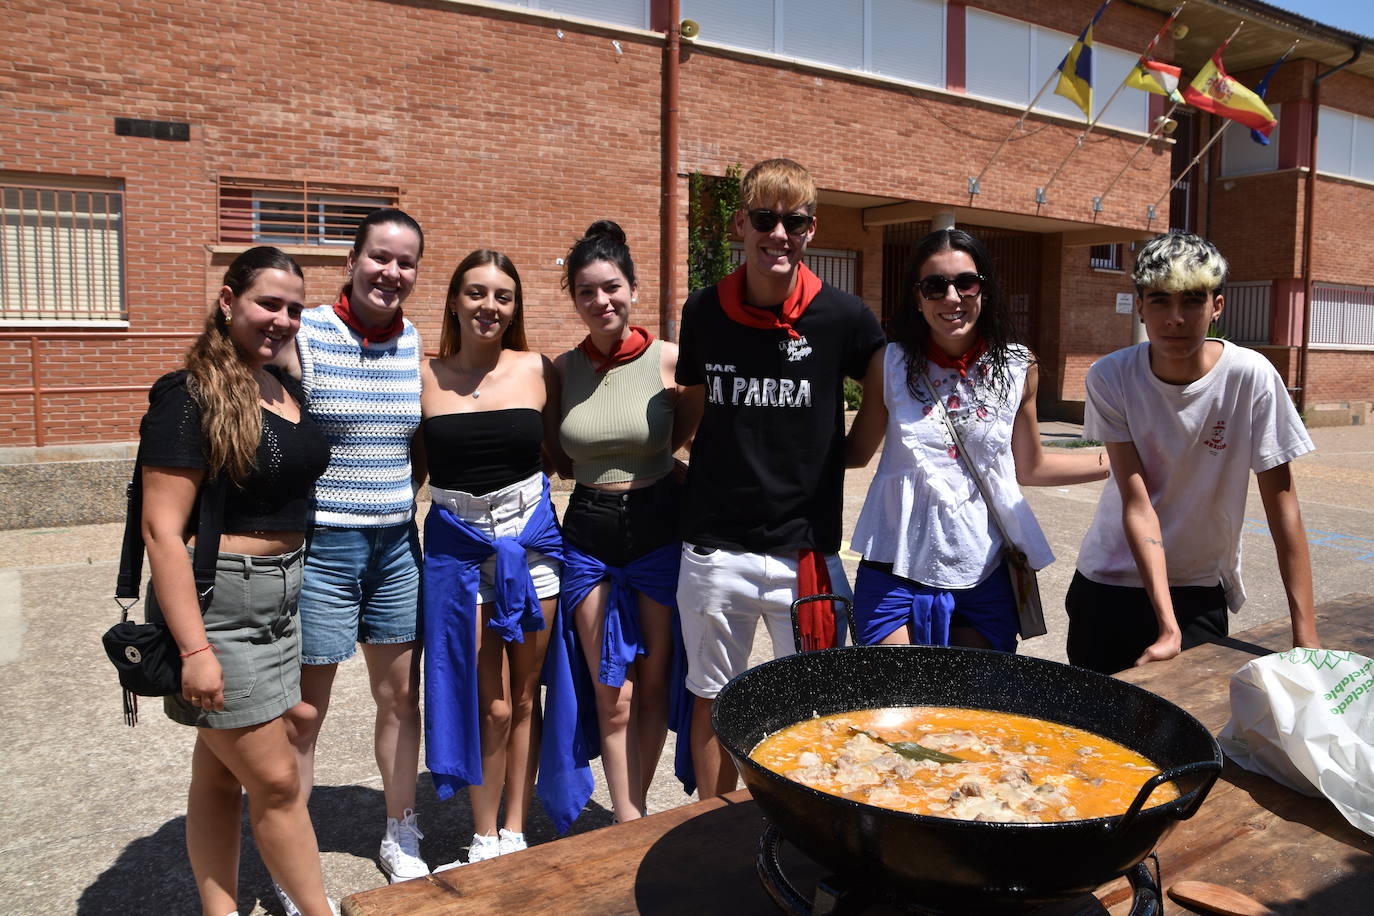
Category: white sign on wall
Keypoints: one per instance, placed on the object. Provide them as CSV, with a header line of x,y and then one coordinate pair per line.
x,y
1125,303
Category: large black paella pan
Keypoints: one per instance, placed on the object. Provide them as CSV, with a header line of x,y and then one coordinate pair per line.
x,y
952,862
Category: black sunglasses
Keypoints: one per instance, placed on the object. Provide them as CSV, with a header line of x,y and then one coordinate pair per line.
x,y
967,285
792,223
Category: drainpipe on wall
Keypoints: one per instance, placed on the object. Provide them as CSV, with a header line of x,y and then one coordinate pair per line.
x,y
1309,229
668,248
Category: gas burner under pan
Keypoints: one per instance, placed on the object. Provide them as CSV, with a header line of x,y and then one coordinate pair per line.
x,y
838,895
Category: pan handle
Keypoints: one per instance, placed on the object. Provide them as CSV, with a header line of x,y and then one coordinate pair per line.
x,y
1202,766
796,622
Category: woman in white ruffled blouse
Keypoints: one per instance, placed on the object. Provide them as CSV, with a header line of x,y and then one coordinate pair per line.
x,y
933,570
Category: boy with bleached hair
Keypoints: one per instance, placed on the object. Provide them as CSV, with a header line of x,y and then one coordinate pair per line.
x,y
1185,418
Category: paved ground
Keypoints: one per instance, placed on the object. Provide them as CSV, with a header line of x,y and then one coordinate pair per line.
x,y
92,821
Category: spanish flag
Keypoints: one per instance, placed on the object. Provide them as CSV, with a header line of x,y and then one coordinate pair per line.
x,y
1153,76
1215,92
1076,69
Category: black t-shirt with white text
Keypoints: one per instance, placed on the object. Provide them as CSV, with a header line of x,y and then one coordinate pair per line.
x,y
767,467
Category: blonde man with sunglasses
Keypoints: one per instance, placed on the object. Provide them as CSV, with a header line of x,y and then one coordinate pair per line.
x,y
766,351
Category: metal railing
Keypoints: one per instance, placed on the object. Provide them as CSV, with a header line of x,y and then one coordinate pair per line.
x,y
1246,318
1342,314
273,211
37,390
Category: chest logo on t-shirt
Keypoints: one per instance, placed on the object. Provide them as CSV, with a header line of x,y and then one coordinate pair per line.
x,y
1217,443
795,350
744,391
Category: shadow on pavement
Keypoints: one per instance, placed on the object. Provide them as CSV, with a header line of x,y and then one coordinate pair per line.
x,y
152,874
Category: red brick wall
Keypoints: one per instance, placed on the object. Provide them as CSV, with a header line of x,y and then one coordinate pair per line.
x,y
842,227
1256,221
1339,375
499,133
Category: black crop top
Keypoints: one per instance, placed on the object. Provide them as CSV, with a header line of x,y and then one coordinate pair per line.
x,y
290,456
483,452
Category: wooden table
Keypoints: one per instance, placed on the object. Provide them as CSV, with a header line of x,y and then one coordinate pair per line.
x,y
1294,853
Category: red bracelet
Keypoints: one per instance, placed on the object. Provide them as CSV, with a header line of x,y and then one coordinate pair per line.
x,y
198,651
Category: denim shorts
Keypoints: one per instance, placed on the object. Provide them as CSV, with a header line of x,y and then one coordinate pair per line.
x,y
361,585
251,622
620,526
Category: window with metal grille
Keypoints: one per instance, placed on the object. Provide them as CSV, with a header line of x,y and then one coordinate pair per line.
x,y
1105,257
61,251
835,266
1245,319
1342,315
270,212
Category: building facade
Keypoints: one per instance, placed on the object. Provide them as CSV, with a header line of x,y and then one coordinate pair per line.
x,y
145,143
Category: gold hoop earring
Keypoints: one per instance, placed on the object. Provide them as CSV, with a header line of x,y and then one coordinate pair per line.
x,y
228,319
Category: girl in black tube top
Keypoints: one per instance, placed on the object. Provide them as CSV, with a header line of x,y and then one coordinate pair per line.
x,y
492,550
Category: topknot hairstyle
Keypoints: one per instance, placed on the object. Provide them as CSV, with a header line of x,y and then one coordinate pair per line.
x,y
604,240
778,180
1179,262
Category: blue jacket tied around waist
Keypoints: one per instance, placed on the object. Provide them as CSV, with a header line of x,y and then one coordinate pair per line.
x,y
454,552
571,733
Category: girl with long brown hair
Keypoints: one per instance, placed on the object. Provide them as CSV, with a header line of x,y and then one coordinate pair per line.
x,y
230,421
492,550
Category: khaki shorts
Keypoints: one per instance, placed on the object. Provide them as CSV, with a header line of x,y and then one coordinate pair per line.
x,y
252,623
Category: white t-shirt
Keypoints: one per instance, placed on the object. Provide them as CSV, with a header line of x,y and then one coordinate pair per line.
x,y
1198,444
923,513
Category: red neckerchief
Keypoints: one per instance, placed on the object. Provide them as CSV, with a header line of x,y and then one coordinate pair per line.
x,y
815,619
731,292
624,350
961,363
369,335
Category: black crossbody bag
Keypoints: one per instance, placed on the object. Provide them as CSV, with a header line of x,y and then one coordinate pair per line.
x,y
144,654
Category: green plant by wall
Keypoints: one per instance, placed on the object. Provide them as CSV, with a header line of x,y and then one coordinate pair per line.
x,y
711,204
853,394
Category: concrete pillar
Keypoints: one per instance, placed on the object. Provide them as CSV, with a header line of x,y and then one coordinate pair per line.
x,y
942,220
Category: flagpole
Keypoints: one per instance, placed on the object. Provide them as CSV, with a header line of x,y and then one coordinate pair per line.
x,y
975,184
1078,143
1159,125
1181,175
1150,211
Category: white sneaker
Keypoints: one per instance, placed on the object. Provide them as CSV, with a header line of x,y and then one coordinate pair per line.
x,y
483,848
288,906
400,852
509,842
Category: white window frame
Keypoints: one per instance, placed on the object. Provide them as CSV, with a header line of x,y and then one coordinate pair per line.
x,y
590,10
1044,49
1345,145
1241,155
716,28
62,259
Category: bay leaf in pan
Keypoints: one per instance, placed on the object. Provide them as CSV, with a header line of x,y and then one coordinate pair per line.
x,y
909,749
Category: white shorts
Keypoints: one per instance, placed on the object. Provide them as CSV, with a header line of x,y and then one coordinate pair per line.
x,y
503,513
722,594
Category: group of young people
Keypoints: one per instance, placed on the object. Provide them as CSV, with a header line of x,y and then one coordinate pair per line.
x,y
635,610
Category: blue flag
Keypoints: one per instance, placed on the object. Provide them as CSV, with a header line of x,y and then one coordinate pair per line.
x,y
1076,69
1261,89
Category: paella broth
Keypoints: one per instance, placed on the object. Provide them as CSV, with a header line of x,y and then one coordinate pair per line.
x,y
1012,768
